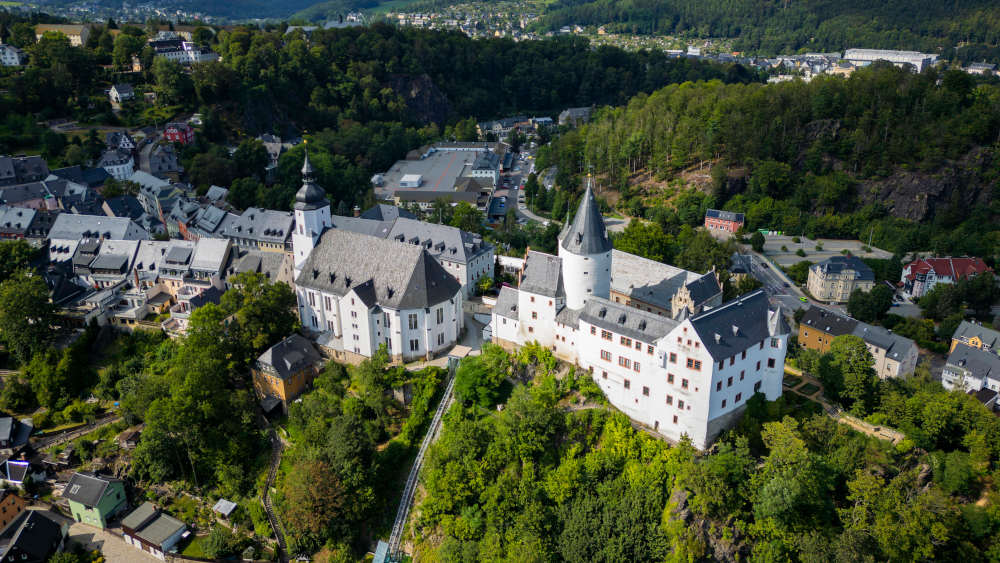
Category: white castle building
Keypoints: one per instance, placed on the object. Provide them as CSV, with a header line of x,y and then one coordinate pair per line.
x,y
687,373
358,291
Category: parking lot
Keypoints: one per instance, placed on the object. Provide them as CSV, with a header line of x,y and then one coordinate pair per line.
x,y
782,249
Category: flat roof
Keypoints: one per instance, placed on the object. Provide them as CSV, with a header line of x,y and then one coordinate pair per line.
x,y
440,170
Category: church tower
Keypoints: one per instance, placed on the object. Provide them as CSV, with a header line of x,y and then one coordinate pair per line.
x,y
312,216
586,253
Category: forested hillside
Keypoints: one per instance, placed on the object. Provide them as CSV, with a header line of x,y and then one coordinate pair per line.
x,y
911,158
772,27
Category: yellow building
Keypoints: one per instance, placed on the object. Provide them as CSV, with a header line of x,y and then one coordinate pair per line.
x,y
284,371
976,336
835,278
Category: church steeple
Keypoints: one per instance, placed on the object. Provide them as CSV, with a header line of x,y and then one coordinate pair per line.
x,y
587,234
310,196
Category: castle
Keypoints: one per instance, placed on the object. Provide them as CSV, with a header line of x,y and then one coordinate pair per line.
x,y
659,341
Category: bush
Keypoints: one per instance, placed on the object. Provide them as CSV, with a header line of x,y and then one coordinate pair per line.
x,y
796,240
784,248
800,252
819,247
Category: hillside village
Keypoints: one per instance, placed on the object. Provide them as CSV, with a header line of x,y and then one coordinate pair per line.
x,y
217,349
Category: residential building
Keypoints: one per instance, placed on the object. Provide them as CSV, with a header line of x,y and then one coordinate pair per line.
x,y
14,434
183,52
921,275
129,206
11,505
686,375
121,92
728,221
917,61
976,335
32,537
262,229
190,298
660,288
892,354
147,529
971,369
118,163
163,163
179,132
575,116
12,56
120,140
77,34
835,278
68,230
92,178
19,223
22,169
984,68
284,371
95,499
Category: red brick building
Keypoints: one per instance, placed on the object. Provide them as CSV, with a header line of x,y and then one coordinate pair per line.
x,y
179,133
728,221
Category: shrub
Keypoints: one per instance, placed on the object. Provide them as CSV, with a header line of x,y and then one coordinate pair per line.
x,y
800,252
819,247
784,248
796,240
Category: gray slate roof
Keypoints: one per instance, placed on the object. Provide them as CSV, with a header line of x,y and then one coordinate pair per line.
x,y
629,321
441,241
724,215
87,489
734,326
139,516
989,337
704,288
384,212
32,534
161,529
647,280
542,274
15,219
405,276
828,321
68,226
262,225
506,303
895,346
978,363
837,264
587,234
289,356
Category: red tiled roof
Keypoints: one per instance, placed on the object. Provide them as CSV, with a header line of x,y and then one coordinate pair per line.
x,y
955,268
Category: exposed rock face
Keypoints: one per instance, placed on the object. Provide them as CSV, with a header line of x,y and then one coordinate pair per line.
x,y
918,195
426,102
722,541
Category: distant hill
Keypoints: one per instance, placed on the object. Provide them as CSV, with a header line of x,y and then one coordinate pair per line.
x,y
786,26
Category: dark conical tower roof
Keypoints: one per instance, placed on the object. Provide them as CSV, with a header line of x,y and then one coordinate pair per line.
x,y
587,234
310,196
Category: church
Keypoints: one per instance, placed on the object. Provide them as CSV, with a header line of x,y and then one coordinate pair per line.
x,y
659,341
357,291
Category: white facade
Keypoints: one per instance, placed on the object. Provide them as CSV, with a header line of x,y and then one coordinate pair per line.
x,y
591,276
12,56
689,376
119,168
309,225
407,333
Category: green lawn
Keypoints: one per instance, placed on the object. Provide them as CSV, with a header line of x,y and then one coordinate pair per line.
x,y
194,547
10,3
791,381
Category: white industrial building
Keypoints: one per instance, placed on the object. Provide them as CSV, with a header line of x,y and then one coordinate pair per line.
x,y
865,57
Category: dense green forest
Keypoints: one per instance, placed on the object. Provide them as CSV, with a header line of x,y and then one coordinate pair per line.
x,y
773,27
909,159
540,482
365,95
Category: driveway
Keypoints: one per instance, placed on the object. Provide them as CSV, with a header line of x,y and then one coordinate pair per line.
x,y
109,543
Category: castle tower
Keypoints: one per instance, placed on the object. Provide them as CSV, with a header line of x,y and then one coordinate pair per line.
x,y
312,216
586,253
